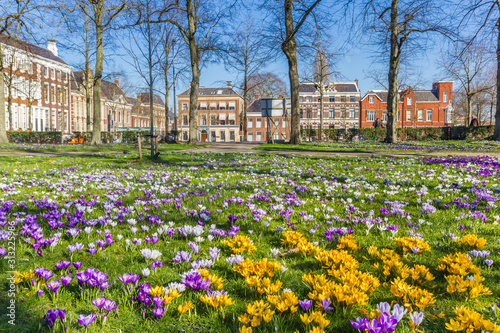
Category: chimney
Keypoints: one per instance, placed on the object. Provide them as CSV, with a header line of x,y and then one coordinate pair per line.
x,y
257,97
229,83
52,46
117,81
356,82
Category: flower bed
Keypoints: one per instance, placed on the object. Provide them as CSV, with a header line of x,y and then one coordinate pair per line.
x,y
250,243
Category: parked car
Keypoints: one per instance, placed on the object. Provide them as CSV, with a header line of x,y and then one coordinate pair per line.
x,y
75,139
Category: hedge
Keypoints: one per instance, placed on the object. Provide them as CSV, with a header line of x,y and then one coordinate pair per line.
x,y
34,137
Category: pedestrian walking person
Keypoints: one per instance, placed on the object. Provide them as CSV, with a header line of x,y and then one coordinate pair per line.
x,y
474,122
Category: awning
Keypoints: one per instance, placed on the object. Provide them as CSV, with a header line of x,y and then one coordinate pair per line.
x,y
232,104
222,116
213,105
231,116
222,104
203,105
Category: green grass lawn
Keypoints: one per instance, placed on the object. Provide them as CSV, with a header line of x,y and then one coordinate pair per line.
x,y
427,146
118,147
343,208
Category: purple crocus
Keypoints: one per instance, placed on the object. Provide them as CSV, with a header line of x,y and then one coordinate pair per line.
x,y
488,262
3,252
99,302
361,324
158,312
158,301
66,280
86,320
77,264
194,247
51,317
109,305
325,303
305,304
54,286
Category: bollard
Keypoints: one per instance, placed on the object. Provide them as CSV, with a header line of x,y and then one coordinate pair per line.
x,y
139,145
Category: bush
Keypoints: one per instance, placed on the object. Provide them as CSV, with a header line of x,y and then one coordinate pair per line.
x,y
34,137
373,134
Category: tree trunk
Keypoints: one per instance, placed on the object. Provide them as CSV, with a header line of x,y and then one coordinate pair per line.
x,y
87,77
96,134
393,96
469,110
321,109
167,90
195,80
9,101
496,134
61,96
289,48
3,129
245,102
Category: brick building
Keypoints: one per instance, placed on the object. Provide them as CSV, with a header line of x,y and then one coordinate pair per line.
x,y
219,111
37,87
141,114
116,111
340,105
416,108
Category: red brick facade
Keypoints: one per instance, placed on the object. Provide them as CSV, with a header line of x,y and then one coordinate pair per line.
x,y
416,108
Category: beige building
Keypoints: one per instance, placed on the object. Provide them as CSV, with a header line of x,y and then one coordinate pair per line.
x,y
219,111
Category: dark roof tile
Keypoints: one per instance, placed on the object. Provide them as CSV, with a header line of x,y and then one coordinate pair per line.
x,y
28,47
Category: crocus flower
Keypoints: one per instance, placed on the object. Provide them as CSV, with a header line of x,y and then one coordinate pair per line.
x,y
77,264
305,304
66,280
416,319
194,247
488,262
109,305
3,252
325,303
86,320
398,312
54,286
99,302
158,312
51,317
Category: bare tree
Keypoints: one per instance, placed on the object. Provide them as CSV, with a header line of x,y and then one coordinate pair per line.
x,y
468,63
246,54
101,14
15,16
292,24
197,22
402,25
322,68
267,85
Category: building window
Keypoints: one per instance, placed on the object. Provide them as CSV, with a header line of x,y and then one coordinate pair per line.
x,y
249,137
370,116
331,113
184,120
283,124
371,99
353,99
53,73
250,123
332,99
232,105
309,99
301,99
342,99
384,116
352,113
258,137
185,136
231,136
408,115
319,99
65,96
258,123
213,122
53,94
445,97
45,71
342,112
203,119
409,101
184,107
309,113
222,106
46,92
222,136
301,113
58,75
420,115
429,115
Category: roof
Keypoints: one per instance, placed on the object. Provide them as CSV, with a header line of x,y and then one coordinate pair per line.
x,y
144,97
31,48
343,87
111,89
255,106
420,95
221,91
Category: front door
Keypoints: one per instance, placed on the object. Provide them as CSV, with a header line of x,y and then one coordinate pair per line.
x,y
203,137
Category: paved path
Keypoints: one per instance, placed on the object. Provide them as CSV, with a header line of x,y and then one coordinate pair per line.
x,y
249,149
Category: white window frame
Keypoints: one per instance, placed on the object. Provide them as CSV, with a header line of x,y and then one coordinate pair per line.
x,y
428,113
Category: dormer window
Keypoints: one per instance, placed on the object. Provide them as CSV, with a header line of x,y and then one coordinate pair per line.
x,y
409,101
445,97
371,99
